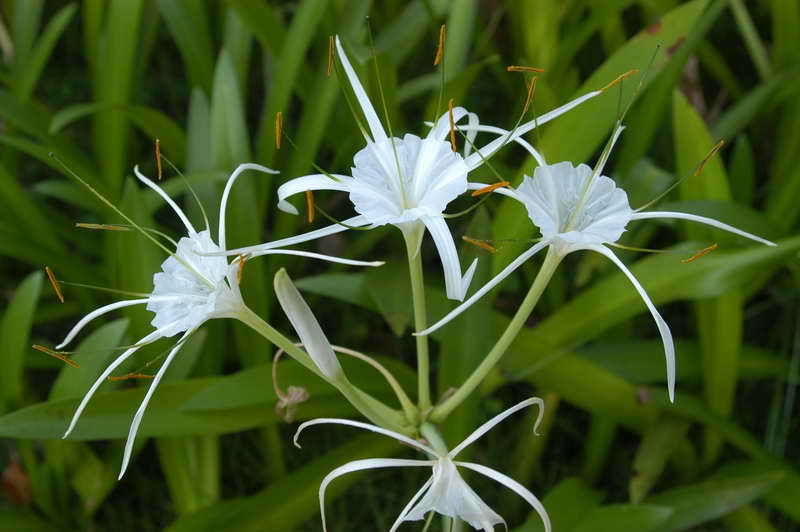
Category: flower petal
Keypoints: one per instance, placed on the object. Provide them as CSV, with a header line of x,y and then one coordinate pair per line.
x,y
455,285
137,418
225,193
355,221
97,313
378,133
489,425
310,182
513,485
361,465
663,328
410,505
472,123
516,263
320,256
152,337
703,220
474,129
373,428
601,164
308,329
189,227
441,129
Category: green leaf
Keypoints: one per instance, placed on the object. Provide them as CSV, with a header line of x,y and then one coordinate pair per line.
x,y
23,521
567,504
659,442
15,330
625,518
387,286
188,23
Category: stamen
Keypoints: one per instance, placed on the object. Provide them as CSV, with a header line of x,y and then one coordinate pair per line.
x,y
330,55
518,68
158,157
286,407
700,253
440,48
490,188
620,78
479,243
129,376
713,151
102,227
278,129
531,92
240,271
452,125
54,283
61,355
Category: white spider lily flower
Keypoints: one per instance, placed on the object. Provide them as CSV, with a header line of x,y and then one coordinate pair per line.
x,y
445,492
577,208
191,288
407,182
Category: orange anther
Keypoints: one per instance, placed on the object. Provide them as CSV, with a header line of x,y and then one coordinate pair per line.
x,y
278,129
452,125
700,253
54,283
158,157
479,243
620,78
440,48
240,271
711,153
310,205
130,376
518,68
330,56
56,354
103,227
489,188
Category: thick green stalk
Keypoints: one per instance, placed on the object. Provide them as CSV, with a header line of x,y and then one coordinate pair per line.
x,y
551,261
368,406
420,323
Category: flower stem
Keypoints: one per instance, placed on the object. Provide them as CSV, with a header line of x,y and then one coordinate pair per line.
x,y
549,265
420,323
368,406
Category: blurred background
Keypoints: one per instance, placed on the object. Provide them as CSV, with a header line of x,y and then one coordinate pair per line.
x,y
96,82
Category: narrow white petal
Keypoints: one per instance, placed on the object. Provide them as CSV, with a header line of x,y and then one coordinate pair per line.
x,y
310,182
189,227
516,263
663,328
476,159
601,164
223,205
489,425
319,256
473,130
97,313
374,123
513,485
360,465
153,336
137,418
455,285
703,220
308,329
472,123
355,221
442,127
505,191
373,428
410,505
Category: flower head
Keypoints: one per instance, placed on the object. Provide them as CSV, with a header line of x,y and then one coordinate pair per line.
x,y
191,288
445,492
407,182
578,208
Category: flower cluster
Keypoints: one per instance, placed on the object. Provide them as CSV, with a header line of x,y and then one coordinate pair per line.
x,y
407,182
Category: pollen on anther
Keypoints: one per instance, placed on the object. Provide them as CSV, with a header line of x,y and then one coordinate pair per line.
x,y
310,205
54,283
479,243
330,56
102,227
519,68
619,79
452,125
240,271
56,354
278,129
158,157
700,253
711,153
489,188
440,48
129,376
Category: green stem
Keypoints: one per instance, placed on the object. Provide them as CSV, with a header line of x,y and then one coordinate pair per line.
x,y
551,261
368,406
420,323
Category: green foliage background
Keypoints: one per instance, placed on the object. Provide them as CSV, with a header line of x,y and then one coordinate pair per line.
x,y
96,81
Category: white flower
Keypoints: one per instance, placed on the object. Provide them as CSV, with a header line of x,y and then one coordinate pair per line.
x,y
577,208
191,288
407,182
445,492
